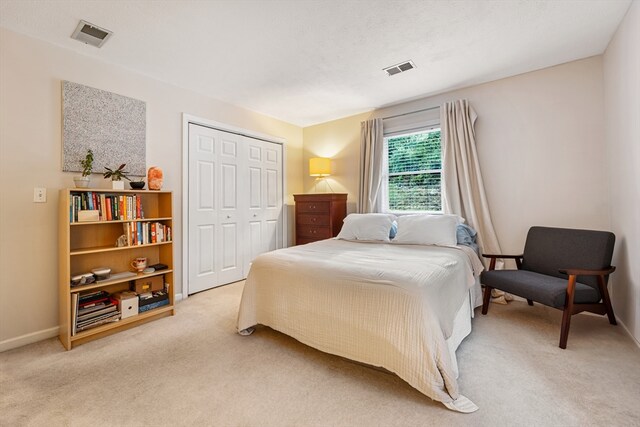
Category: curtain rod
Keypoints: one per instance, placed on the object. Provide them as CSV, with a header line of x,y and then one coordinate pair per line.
x,y
411,112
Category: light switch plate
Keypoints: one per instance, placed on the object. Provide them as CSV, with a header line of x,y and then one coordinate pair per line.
x,y
39,195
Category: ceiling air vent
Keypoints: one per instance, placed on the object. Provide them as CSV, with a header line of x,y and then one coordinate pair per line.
x,y
90,34
399,68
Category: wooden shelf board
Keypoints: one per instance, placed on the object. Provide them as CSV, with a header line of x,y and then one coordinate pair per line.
x,y
98,249
121,221
111,190
104,283
121,323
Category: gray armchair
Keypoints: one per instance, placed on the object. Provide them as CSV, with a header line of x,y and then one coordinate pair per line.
x,y
562,268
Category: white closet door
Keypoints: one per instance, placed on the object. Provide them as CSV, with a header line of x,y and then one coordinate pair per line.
x,y
231,207
264,220
235,205
203,208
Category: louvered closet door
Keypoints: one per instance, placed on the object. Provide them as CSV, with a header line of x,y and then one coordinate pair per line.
x,y
204,145
264,219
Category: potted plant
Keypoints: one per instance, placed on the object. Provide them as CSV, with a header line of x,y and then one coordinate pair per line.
x,y
87,167
116,176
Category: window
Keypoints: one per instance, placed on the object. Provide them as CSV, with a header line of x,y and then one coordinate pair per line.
x,y
414,178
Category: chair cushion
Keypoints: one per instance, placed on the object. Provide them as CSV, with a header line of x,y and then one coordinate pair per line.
x,y
547,290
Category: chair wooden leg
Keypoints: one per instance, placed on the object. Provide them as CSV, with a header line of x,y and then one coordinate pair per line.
x,y
486,299
606,300
530,302
566,314
564,329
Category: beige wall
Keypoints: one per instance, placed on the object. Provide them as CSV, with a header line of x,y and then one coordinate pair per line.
x,y
31,72
540,141
622,107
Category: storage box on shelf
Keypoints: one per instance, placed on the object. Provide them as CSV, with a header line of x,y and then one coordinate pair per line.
x,y
88,244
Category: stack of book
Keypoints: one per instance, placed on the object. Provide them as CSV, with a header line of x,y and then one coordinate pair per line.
x,y
150,300
93,309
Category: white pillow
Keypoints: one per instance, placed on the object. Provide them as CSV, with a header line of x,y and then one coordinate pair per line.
x,y
368,227
427,230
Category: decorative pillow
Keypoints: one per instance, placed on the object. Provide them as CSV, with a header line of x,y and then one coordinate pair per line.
x,y
427,230
394,230
467,236
369,227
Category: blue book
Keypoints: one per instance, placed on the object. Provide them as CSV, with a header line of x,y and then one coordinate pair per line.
x,y
153,305
139,231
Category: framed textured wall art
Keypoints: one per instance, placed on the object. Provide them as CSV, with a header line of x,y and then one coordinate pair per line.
x,y
112,125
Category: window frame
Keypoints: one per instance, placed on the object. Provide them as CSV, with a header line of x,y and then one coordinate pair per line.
x,y
386,175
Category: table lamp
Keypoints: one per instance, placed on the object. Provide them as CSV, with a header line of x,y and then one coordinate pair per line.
x,y
320,167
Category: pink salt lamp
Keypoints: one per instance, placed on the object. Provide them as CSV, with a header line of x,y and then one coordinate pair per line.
x,y
154,178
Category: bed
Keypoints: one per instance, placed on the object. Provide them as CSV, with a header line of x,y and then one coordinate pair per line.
x,y
402,307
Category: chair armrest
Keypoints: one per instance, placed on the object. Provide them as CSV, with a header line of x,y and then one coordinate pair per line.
x,y
583,272
502,256
492,264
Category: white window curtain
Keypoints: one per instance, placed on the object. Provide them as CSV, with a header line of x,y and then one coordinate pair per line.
x,y
463,189
371,165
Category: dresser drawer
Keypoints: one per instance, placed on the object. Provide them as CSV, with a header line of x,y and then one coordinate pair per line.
x,y
310,231
311,219
312,207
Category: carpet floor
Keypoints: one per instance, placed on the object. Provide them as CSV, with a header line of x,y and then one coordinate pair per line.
x,y
194,369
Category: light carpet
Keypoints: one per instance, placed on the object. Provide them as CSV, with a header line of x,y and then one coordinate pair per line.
x,y
194,369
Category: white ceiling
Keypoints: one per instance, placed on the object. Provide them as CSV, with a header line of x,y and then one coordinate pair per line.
x,y
310,61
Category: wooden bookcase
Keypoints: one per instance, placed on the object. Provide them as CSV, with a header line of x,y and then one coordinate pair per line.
x,y
84,246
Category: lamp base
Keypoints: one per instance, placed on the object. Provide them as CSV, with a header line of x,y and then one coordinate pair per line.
x,y
315,186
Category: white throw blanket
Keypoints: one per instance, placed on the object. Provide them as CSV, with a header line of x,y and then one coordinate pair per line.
x,y
385,305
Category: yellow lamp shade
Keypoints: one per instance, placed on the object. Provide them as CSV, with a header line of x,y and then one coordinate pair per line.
x,y
319,166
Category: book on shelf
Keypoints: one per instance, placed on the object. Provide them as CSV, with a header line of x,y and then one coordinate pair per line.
x,y
112,318
92,309
96,315
74,312
111,207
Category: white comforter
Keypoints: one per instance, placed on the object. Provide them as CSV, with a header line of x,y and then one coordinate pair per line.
x,y
386,305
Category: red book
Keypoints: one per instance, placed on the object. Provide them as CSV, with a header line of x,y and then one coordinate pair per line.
x,y
121,207
92,303
153,232
108,200
138,208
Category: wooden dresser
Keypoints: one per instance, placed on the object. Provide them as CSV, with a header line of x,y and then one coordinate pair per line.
x,y
319,216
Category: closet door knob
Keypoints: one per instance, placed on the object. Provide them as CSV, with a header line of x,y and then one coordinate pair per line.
x,y
228,216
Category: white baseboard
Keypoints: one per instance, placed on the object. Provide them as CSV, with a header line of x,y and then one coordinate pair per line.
x,y
177,297
16,342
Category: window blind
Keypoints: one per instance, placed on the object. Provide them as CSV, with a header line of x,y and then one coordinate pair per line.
x,y
415,171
